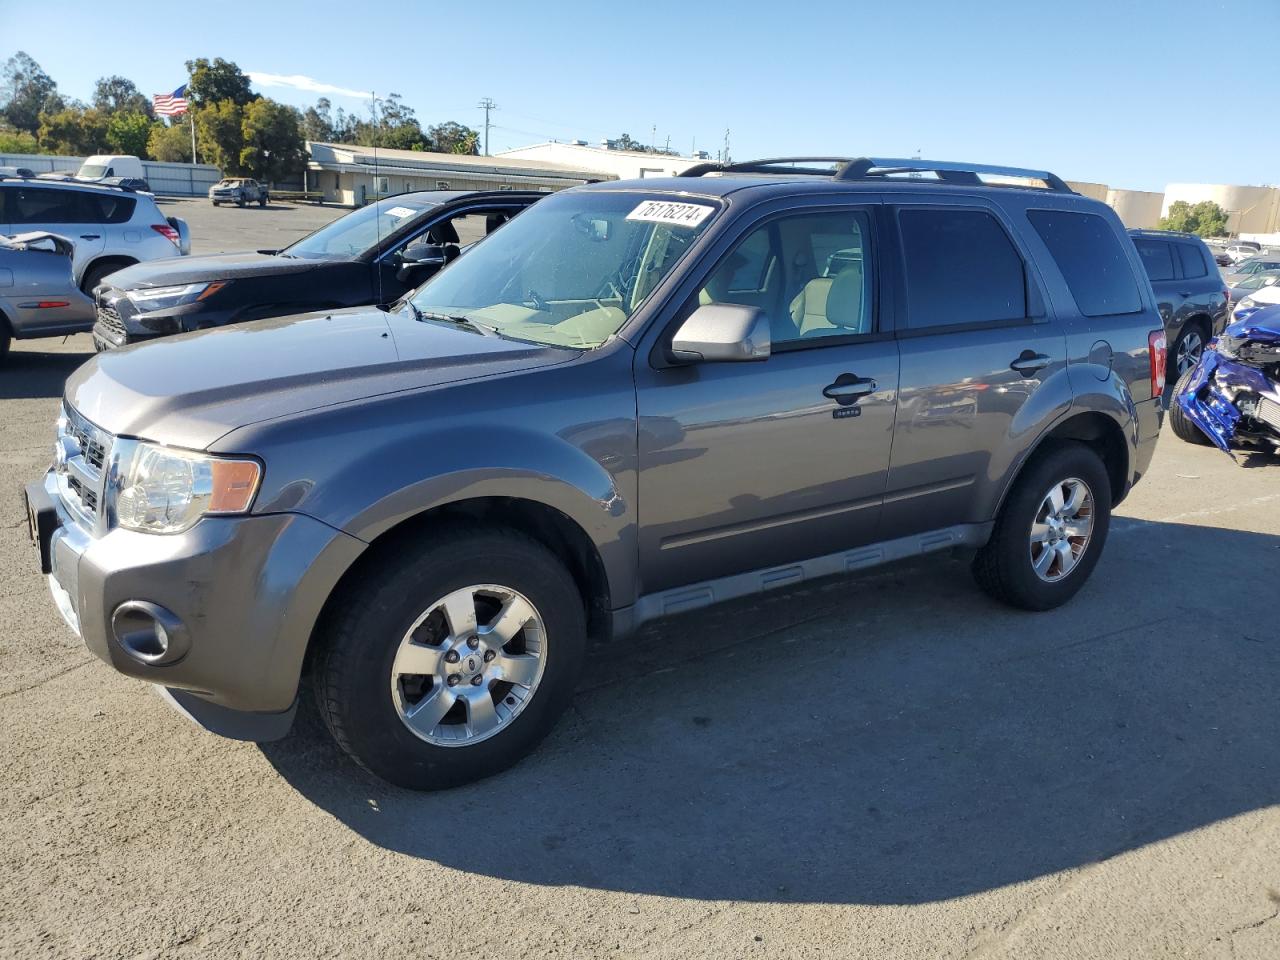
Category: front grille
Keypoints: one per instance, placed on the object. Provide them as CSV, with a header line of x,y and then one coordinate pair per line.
x,y
1269,413
110,318
83,451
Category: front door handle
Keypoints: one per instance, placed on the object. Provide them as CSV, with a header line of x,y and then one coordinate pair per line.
x,y
1184,293
1029,364
90,236
848,389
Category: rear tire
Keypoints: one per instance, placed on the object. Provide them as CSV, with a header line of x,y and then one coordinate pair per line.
x,y
4,339
94,275
240,201
1007,567
1183,428
384,657
1186,350
262,201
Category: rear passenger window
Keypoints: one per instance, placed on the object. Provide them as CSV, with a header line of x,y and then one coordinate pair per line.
x,y
1091,259
1192,261
961,268
1157,258
33,205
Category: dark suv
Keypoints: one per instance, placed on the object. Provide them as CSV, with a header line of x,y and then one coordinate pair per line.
x,y
636,399
1190,292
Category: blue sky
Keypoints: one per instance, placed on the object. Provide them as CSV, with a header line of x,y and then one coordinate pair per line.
x,y
1130,94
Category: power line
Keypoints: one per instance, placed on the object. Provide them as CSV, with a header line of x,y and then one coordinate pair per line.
x,y
487,104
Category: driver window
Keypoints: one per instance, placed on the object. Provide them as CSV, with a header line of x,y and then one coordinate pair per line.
x,y
810,274
458,232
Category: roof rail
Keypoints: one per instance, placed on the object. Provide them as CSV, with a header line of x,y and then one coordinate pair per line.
x,y
870,168
73,181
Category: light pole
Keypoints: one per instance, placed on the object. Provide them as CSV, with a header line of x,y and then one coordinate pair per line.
x,y
486,105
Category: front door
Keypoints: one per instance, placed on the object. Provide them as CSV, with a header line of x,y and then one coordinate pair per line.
x,y
750,465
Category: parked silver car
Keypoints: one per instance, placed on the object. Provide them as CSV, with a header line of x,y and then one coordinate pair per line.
x,y
111,227
38,294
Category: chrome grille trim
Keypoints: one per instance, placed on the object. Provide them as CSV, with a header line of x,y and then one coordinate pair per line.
x,y
82,451
109,317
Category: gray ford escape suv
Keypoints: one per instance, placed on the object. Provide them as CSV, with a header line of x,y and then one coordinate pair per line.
x,y
635,399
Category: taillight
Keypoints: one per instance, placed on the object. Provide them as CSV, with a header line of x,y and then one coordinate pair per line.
x,y
1158,350
167,230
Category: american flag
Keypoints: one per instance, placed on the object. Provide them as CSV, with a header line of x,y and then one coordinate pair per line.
x,y
171,104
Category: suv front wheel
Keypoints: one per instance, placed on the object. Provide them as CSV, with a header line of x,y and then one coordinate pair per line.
x,y
1050,532
448,662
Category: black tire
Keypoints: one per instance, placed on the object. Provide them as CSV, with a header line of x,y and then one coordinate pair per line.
x,y
214,202
1003,568
1183,428
352,675
240,201
262,201
4,339
93,276
1190,328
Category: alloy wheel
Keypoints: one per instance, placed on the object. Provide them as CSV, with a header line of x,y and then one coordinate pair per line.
x,y
1190,347
469,665
1061,530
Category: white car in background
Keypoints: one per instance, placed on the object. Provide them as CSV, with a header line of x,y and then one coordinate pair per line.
x,y
111,227
1264,296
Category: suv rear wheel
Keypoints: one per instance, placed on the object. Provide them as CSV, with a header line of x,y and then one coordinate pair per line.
x,y
1187,349
1050,532
449,662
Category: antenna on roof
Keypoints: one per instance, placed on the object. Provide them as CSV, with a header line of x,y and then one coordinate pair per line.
x,y
377,214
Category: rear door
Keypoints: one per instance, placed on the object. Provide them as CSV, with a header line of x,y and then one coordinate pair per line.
x,y
62,211
977,345
1158,260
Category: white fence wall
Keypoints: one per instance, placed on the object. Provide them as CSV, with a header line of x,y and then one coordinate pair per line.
x,y
174,179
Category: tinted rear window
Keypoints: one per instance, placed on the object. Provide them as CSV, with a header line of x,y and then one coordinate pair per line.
x,y
37,205
1089,254
109,207
1157,258
1193,264
961,268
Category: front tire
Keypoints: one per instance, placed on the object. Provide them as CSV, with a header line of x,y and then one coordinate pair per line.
x,y
1050,531
262,201
240,201
1182,426
449,662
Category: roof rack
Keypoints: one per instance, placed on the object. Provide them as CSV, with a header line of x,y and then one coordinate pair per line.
x,y
872,168
74,181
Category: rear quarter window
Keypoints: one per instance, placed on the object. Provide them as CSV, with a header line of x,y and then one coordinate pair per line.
x,y
109,207
1091,259
1192,260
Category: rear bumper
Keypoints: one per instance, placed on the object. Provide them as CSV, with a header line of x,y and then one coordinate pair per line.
x,y
243,593
1150,417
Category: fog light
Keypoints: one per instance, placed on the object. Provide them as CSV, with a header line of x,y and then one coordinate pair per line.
x,y
150,633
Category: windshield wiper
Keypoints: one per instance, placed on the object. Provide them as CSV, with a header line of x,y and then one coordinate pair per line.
x,y
456,319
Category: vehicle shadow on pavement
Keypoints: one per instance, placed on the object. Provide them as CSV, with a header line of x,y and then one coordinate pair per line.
x,y
27,374
896,738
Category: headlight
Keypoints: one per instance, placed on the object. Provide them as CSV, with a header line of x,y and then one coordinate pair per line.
x,y
166,490
165,298
1247,303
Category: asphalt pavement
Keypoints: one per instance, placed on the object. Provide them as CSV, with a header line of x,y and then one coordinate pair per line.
x,y
888,766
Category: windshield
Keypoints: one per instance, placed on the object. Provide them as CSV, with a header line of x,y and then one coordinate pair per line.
x,y
1260,279
358,232
571,269
93,170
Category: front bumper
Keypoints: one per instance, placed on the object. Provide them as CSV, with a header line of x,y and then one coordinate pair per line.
x,y
247,591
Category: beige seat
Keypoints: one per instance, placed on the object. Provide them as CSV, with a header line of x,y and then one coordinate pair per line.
x,y
831,304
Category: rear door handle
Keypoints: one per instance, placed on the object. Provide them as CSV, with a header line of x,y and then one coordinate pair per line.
x,y
1028,363
90,236
848,388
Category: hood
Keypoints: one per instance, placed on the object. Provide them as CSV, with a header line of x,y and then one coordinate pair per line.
x,y
190,390
1262,326
219,266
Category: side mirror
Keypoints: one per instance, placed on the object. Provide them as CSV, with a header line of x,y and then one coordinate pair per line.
x,y
722,333
418,260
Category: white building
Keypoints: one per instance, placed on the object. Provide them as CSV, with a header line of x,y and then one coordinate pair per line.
x,y
1137,209
1249,210
353,175
619,164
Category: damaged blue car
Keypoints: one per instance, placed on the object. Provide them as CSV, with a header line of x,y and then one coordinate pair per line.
x,y
1231,397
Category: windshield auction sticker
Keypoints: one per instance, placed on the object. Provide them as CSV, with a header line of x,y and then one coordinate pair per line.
x,y
668,211
399,213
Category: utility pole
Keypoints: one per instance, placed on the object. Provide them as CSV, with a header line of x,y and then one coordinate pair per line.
x,y
726,146
486,105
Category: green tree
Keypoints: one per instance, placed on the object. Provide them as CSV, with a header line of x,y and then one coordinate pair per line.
x,y
1205,219
317,122
26,91
119,95
75,130
453,137
272,137
220,135
16,141
128,133
172,144
212,83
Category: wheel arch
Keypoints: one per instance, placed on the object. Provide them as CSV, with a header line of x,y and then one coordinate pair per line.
x,y
1100,432
117,260
549,526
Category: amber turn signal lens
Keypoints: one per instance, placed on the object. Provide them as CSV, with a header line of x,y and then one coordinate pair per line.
x,y
234,484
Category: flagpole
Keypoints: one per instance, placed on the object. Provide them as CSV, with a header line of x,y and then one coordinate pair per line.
x,y
192,117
